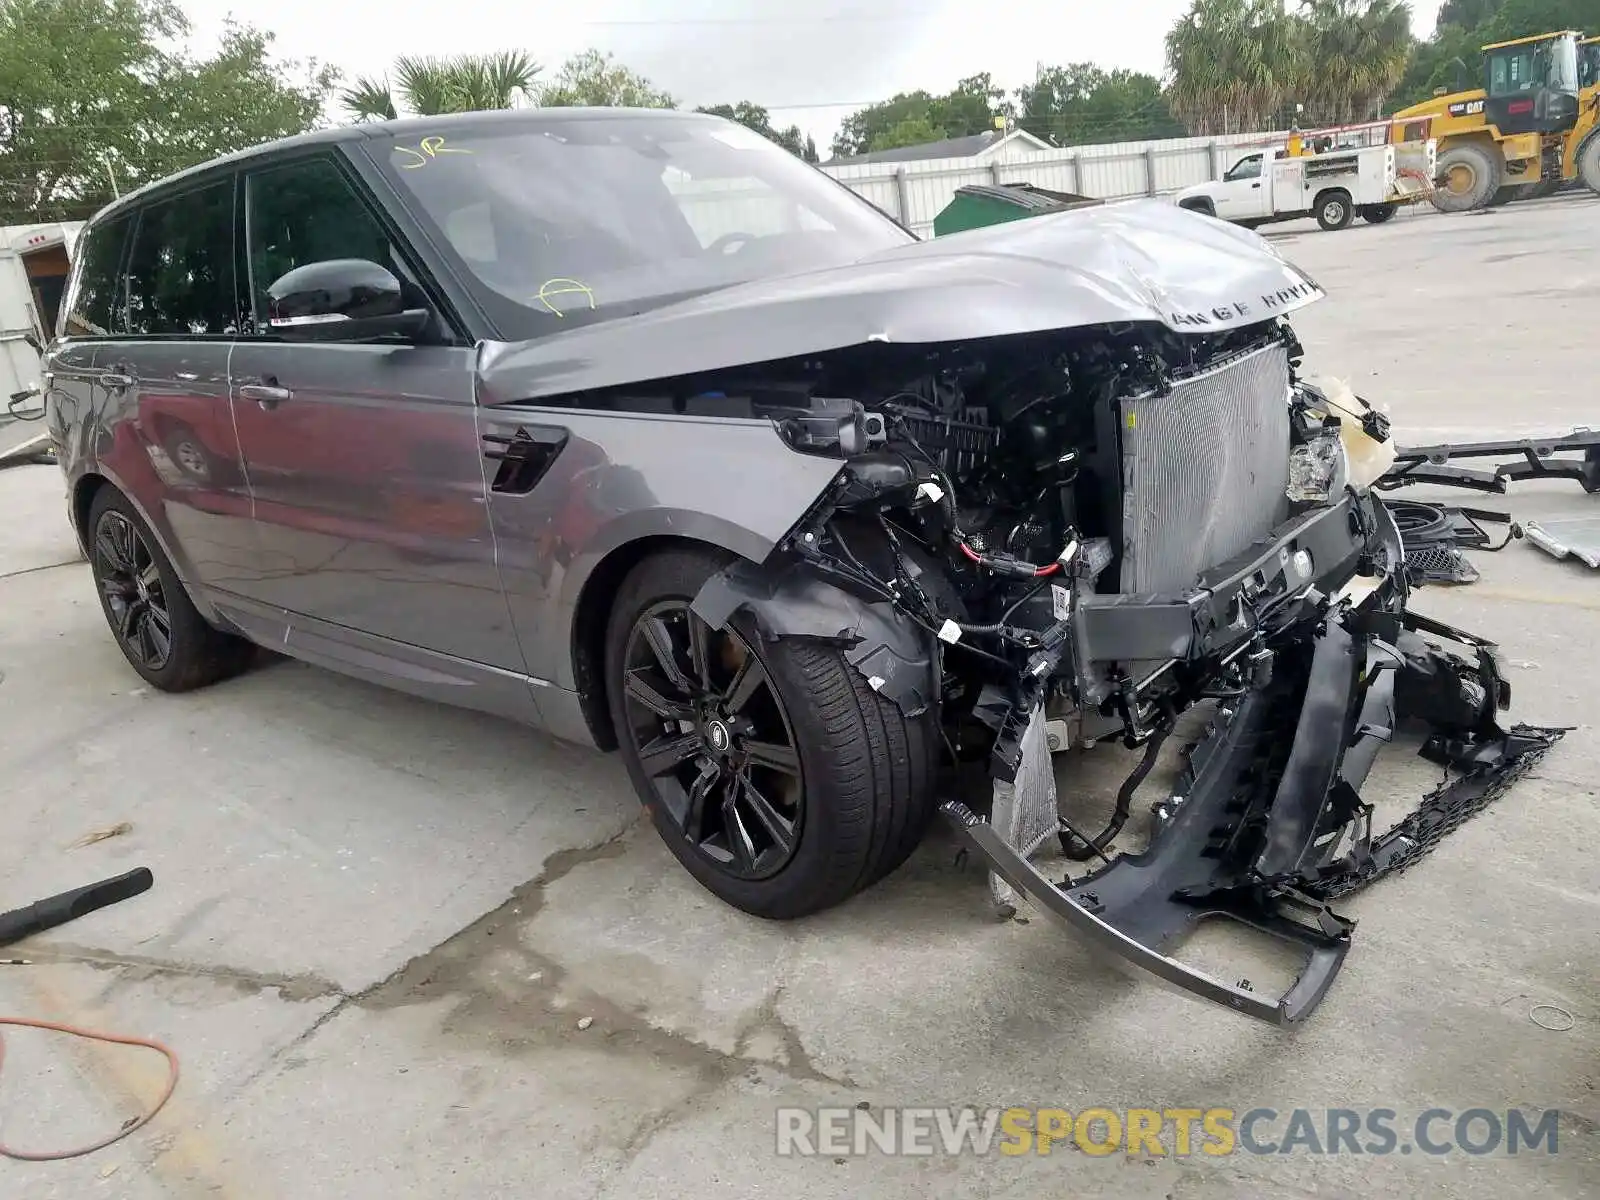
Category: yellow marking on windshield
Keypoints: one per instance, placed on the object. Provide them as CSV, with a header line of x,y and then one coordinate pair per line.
x,y
563,287
427,150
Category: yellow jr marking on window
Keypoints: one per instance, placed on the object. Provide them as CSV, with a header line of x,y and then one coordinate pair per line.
x,y
427,150
562,287
1132,419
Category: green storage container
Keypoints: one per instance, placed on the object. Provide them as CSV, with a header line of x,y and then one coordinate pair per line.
x,y
980,204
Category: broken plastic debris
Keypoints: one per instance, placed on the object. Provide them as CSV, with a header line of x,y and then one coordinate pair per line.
x,y
585,1022
1369,460
931,491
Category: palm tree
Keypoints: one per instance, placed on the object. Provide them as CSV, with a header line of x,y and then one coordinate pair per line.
x,y
430,86
1355,54
1231,64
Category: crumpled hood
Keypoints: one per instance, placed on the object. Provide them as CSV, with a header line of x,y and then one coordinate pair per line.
x,y
1145,261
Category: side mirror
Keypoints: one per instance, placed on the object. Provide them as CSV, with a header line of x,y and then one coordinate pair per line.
x,y
341,300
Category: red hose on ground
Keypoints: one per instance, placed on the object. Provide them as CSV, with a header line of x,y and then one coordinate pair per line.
x,y
136,1123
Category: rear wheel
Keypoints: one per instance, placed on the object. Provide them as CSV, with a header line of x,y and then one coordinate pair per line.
x,y
1469,177
1377,214
774,774
157,627
1589,163
1335,211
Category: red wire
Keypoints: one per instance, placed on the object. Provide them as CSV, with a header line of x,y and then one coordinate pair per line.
x,y
136,1123
978,558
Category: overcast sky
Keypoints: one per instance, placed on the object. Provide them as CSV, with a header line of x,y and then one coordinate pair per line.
x,y
810,70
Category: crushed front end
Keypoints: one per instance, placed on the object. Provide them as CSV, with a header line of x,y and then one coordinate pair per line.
x,y
1062,537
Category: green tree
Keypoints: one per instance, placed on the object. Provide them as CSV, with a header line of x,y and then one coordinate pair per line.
x,y
593,78
1354,53
913,131
1524,18
429,86
753,116
1465,14
968,108
1081,103
1232,64
1453,58
99,96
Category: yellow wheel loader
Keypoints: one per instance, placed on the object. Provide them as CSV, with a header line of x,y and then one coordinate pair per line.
x,y
1528,130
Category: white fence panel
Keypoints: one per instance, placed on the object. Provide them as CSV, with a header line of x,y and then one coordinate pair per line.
x,y
916,192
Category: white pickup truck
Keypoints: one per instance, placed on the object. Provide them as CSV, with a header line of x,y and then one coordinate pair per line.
x,y
1334,186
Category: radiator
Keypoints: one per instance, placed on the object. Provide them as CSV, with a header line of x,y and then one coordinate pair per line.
x,y
1204,469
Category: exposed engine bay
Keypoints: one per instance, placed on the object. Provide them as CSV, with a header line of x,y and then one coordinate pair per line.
x,y
1093,531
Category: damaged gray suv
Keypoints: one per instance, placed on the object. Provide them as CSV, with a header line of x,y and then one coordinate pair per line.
x,y
633,427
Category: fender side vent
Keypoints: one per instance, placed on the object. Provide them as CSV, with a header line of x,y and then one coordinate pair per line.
x,y
524,456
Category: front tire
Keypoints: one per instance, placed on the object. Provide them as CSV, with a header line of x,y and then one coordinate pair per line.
x,y
1470,178
156,625
774,774
1335,211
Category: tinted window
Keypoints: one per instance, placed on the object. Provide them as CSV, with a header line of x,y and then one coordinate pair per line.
x,y
562,221
180,270
93,303
304,213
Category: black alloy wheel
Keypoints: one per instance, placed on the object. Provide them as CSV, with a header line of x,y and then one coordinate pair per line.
x,y
135,595
714,740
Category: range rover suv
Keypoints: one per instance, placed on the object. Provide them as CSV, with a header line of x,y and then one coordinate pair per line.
x,y
635,428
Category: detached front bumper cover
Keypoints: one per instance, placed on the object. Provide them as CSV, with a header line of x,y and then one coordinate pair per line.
x,y
1269,826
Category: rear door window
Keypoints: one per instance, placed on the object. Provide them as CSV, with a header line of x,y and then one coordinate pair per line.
x,y
93,310
180,276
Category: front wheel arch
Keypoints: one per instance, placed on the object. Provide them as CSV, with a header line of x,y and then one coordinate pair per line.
x,y
592,615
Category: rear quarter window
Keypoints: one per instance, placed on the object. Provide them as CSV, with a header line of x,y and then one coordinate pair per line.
x,y
91,308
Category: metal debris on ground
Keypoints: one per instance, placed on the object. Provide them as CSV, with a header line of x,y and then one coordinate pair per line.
x,y
1564,1019
1563,537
